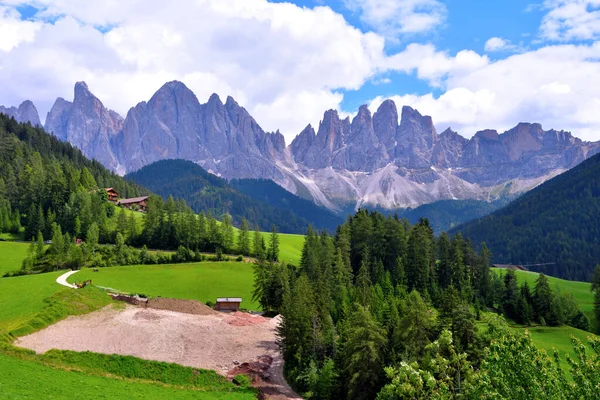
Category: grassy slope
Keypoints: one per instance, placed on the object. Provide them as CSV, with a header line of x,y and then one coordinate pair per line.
x,y
290,247
11,256
23,379
23,297
559,338
197,281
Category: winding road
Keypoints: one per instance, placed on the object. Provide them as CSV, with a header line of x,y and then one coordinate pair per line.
x,y
62,280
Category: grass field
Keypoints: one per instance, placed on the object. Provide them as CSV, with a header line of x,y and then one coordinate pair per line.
x,y
12,255
23,297
197,281
25,379
290,247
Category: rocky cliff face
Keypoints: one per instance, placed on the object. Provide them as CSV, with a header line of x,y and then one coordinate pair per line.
x,y
377,159
86,124
26,112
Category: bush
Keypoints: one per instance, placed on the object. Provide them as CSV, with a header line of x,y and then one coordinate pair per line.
x,y
239,258
242,381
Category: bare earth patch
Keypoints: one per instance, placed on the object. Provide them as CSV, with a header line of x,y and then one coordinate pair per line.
x,y
203,341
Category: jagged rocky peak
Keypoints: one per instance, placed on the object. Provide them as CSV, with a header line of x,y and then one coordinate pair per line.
x,y
487,134
385,124
82,90
86,124
415,139
302,143
26,112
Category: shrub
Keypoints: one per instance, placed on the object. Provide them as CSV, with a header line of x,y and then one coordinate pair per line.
x,y
242,381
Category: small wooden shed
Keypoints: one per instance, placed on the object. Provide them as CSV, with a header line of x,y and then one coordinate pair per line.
x,y
228,303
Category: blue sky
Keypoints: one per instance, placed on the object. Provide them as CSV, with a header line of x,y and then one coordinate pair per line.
x,y
469,64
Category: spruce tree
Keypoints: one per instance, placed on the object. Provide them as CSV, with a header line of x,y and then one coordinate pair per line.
x,y
542,298
364,355
244,238
273,253
227,233
596,289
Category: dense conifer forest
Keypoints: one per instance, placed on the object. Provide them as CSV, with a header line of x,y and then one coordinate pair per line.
x,y
40,178
556,223
385,310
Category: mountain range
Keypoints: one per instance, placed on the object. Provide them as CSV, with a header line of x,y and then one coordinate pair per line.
x,y
386,159
554,228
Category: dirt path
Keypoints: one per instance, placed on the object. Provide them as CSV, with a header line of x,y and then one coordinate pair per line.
x,y
204,341
62,280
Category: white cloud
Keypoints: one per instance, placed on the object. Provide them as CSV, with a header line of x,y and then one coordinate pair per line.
x,y
284,63
555,85
433,65
13,31
393,18
571,20
496,44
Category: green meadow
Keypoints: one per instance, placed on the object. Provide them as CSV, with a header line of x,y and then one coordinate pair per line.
x,y
29,379
290,247
23,297
202,281
12,255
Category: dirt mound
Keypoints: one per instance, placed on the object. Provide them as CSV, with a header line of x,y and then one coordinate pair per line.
x,y
244,319
257,370
183,306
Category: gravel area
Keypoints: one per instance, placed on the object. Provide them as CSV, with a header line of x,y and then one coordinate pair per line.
x,y
203,341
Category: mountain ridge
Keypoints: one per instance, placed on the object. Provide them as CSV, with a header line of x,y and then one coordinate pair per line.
x,y
383,159
205,192
556,224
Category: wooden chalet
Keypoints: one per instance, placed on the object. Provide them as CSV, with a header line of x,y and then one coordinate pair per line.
x,y
228,304
141,203
113,195
510,266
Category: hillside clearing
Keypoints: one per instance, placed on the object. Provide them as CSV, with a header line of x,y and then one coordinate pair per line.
x,y
219,341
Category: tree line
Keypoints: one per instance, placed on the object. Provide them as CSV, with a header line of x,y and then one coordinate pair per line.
x,y
385,310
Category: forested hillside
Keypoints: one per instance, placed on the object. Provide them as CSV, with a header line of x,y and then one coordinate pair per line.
x,y
557,223
384,306
444,215
205,192
271,193
39,177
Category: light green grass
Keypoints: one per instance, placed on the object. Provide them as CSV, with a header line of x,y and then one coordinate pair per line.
x,y
290,247
12,255
22,297
580,290
24,379
196,281
557,338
